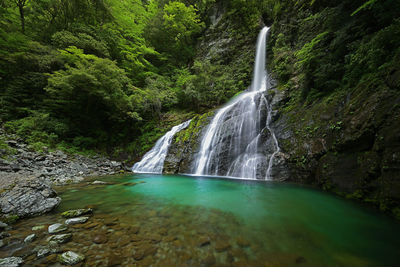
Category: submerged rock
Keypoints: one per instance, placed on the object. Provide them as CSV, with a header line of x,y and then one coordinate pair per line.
x,y
11,262
60,239
51,248
38,227
99,183
3,225
76,220
30,238
70,258
76,213
29,199
100,239
57,228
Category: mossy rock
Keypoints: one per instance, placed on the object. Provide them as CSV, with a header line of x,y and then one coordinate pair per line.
x,y
76,213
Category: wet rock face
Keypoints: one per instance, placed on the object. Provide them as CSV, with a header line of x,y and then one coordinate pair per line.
x,y
349,145
185,145
27,199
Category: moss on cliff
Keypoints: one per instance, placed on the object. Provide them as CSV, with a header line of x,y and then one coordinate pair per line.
x,y
185,145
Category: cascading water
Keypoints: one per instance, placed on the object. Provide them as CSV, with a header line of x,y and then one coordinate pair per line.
x,y
153,161
239,141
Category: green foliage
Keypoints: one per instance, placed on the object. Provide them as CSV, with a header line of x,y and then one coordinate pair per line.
x,y
367,5
91,92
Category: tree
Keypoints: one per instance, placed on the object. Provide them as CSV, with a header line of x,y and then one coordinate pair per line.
x,y
21,5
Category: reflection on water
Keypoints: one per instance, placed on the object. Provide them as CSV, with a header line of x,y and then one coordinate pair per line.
x,y
178,220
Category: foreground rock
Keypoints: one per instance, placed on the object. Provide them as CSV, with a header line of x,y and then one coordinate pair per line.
x,y
57,228
78,220
76,213
27,199
30,238
60,239
70,258
11,262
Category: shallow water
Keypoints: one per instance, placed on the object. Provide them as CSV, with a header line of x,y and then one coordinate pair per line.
x,y
193,221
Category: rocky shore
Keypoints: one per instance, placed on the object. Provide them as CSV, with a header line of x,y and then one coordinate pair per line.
x,y
27,176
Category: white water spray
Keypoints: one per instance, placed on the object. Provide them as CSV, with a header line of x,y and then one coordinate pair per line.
x,y
153,161
232,144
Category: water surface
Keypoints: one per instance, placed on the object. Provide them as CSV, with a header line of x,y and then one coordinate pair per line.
x,y
170,220
279,221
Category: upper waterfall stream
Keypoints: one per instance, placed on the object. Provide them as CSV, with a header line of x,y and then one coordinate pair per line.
x,y
239,141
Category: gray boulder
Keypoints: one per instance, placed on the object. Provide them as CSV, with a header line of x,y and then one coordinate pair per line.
x,y
29,199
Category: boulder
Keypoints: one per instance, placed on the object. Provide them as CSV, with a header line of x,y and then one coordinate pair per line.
x,y
27,199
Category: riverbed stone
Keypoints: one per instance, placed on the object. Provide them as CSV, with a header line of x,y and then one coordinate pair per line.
x,y
30,238
100,239
76,213
77,220
204,241
43,252
222,245
71,258
209,260
242,242
38,227
99,183
11,262
60,239
57,228
3,225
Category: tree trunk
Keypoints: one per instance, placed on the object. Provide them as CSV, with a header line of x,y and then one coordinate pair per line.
x,y
22,16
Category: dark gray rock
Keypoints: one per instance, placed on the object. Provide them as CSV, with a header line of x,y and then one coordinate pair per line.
x,y
29,198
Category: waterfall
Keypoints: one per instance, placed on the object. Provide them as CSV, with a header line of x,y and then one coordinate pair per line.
x,y
153,161
239,141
